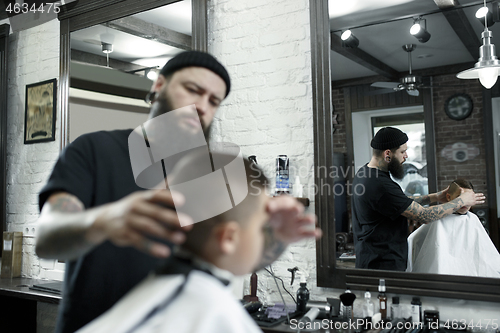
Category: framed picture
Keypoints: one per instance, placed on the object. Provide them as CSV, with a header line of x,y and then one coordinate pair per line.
x,y
40,112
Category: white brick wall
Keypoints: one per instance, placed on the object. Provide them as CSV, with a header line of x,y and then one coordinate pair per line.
x,y
33,57
266,48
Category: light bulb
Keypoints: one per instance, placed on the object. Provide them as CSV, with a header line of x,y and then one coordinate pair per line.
x,y
152,75
415,29
346,34
488,76
481,12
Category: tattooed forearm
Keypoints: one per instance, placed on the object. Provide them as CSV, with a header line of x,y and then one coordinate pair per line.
x,y
65,240
422,200
62,228
429,214
65,203
273,248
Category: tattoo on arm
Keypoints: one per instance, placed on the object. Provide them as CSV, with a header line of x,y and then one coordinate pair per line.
x,y
273,248
425,215
422,200
61,234
65,203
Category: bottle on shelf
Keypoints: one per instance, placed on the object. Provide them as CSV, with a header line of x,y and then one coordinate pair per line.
x,y
382,298
368,306
282,175
302,294
395,308
416,310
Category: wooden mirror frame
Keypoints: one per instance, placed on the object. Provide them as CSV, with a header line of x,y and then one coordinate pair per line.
x,y
328,275
86,13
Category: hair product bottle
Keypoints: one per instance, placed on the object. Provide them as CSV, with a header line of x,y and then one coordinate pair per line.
x,y
395,308
302,294
368,306
282,175
416,310
382,298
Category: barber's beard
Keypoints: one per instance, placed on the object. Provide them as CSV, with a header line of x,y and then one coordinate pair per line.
x,y
163,104
396,169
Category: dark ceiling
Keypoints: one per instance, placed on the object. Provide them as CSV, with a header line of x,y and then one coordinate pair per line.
x,y
382,27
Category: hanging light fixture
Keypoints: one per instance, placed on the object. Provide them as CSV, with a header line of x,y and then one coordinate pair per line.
x,y
488,65
420,32
349,40
107,49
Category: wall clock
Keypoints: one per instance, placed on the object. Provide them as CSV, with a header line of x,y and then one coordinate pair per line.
x,y
458,106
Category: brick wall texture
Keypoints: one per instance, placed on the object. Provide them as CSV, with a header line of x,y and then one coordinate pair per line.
x,y
33,57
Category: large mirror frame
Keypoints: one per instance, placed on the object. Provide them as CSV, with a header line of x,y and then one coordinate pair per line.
x,y
449,286
84,13
4,50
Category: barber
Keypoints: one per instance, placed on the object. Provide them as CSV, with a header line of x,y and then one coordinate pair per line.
x,y
94,216
380,209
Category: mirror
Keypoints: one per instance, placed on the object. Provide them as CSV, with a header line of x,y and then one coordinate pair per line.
x,y
350,96
141,39
114,64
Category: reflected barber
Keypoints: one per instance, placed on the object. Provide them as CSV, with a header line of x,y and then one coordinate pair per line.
x,y
379,215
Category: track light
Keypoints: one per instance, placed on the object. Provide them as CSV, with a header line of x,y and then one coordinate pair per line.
x,y
151,74
420,32
349,40
485,12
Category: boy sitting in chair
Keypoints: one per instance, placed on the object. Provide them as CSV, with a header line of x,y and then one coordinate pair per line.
x,y
190,292
456,244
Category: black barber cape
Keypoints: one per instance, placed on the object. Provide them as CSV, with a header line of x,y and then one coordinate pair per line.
x,y
96,169
380,231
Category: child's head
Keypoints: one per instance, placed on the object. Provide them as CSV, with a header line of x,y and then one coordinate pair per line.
x,y
456,189
233,240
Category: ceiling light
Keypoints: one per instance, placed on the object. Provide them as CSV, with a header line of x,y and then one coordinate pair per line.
x,y
107,48
481,13
488,66
420,32
152,74
349,40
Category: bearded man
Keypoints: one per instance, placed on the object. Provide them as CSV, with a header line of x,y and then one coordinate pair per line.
x,y
110,231
380,209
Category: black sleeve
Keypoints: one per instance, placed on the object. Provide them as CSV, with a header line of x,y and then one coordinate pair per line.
x,y
393,202
73,173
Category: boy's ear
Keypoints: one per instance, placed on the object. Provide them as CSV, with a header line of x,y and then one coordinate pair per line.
x,y
228,237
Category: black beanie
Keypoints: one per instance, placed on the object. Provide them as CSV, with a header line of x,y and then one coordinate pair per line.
x,y
197,59
388,138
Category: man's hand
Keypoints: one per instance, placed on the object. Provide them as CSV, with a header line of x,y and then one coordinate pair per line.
x,y
68,231
441,196
470,198
289,222
138,218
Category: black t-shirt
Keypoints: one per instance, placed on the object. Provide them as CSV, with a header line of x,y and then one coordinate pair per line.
x,y
380,231
96,169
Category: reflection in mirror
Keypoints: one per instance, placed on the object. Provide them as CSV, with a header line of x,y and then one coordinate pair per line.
x,y
381,31
409,120
114,64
